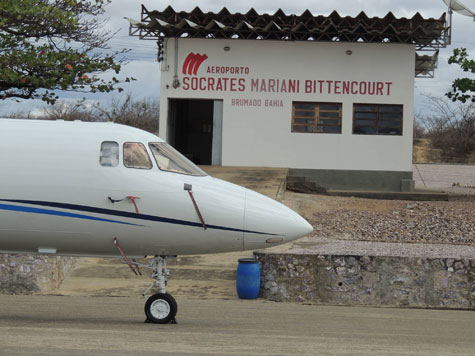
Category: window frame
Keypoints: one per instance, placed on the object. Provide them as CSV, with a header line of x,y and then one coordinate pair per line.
x,y
145,148
317,117
378,119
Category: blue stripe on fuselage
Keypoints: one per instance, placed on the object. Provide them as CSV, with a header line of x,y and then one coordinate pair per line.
x,y
126,214
25,209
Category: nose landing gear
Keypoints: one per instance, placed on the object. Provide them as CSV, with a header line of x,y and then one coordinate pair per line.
x,y
160,308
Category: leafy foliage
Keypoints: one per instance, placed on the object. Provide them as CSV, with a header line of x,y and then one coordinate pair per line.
x,y
463,89
53,45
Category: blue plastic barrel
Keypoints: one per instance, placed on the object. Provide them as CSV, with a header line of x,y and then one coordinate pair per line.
x,y
248,278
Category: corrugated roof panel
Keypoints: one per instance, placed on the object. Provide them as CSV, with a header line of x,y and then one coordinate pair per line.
x,y
267,22
425,34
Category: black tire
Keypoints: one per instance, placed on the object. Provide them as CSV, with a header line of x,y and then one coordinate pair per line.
x,y
161,308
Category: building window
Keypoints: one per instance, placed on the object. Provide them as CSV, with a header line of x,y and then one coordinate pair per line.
x,y
370,119
316,117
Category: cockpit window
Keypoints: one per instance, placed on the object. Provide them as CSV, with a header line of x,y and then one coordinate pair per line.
x,y
169,159
136,156
109,156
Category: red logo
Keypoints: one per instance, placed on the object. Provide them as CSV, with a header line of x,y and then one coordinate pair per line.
x,y
192,63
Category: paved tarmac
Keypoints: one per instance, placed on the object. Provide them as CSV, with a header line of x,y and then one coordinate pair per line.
x,y
53,325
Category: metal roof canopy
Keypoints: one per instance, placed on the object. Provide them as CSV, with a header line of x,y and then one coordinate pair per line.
x,y
428,35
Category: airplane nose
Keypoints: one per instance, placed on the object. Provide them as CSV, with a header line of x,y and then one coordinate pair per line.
x,y
268,222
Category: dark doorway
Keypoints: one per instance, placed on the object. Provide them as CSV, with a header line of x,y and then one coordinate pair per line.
x,y
190,128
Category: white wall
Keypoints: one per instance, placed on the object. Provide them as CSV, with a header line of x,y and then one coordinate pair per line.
x,y
261,135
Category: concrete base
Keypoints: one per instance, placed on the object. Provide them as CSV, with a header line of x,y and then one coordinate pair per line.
x,y
378,274
389,181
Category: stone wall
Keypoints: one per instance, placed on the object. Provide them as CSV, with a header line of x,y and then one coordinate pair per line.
x,y
24,274
368,280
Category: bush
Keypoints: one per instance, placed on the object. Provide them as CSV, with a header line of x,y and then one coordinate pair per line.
x,y
451,128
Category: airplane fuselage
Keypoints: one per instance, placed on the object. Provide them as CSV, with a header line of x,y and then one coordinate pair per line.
x,y
70,188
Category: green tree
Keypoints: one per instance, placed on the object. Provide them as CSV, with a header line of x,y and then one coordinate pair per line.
x,y
463,89
50,45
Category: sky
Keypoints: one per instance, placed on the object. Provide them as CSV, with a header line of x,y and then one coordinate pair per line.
x,y
142,63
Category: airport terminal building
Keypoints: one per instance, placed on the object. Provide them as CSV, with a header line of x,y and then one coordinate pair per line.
x,y
330,97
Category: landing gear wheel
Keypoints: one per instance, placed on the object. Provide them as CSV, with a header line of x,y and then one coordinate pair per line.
x,y
161,308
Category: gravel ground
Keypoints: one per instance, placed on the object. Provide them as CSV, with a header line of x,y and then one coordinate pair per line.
x,y
344,218
448,222
452,222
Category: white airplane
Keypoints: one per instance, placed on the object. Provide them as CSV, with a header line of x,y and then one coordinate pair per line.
x,y
103,189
